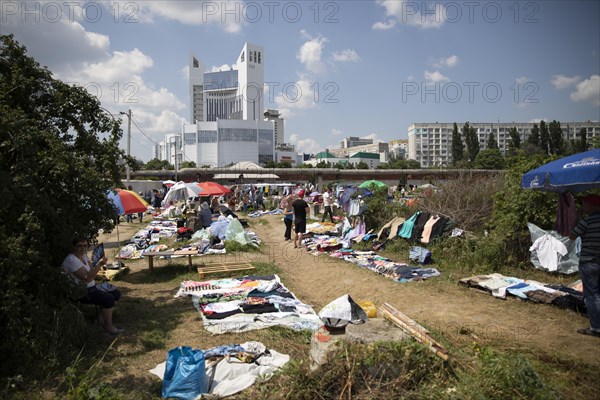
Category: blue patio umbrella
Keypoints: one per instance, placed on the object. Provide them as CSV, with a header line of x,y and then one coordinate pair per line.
x,y
575,173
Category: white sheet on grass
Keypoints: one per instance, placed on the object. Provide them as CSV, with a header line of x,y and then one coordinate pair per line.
x,y
228,377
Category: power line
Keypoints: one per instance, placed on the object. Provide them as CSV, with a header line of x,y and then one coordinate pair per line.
x,y
142,132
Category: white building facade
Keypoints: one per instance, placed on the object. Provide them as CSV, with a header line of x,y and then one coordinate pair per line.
x,y
226,114
431,143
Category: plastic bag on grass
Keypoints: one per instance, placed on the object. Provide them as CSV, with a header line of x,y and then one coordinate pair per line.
x,y
185,374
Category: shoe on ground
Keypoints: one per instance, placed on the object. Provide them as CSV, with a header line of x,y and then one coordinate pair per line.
x,y
115,331
588,332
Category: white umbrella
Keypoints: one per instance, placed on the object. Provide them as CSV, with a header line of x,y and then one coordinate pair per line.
x,y
181,191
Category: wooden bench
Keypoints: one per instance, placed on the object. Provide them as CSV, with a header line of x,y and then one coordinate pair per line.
x,y
152,254
205,268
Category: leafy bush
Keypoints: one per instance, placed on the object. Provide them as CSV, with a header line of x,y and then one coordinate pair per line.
x,y
56,172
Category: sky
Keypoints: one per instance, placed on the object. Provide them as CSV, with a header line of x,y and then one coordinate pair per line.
x,y
335,68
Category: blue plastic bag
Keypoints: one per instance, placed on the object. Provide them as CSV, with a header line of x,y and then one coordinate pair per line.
x,y
185,373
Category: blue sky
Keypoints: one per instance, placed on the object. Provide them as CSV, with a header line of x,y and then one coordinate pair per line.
x,y
365,68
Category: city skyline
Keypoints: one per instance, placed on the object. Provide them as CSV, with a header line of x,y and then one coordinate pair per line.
x,y
365,69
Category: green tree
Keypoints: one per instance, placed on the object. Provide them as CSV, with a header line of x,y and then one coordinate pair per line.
x,y
158,165
136,164
555,138
270,164
581,144
362,165
515,140
534,137
544,137
187,164
472,141
492,143
489,159
457,146
284,164
56,172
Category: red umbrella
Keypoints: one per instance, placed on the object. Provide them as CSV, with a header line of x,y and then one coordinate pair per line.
x,y
213,189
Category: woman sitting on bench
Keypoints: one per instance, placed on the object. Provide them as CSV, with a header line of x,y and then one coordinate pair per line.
x,y
80,269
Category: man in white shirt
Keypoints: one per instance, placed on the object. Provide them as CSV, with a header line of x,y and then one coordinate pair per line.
x,y
327,200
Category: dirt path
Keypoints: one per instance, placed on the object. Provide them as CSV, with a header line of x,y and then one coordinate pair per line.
x,y
450,309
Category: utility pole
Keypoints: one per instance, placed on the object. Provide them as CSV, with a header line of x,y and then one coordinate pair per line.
x,y
127,168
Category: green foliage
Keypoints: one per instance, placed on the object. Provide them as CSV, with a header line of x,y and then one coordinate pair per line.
x,y
489,159
470,136
492,143
514,207
399,163
458,147
544,137
556,138
380,210
501,376
515,141
187,164
232,246
158,165
362,165
59,156
534,137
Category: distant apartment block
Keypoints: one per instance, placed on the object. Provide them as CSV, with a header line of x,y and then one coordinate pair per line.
x,y
380,148
430,143
353,141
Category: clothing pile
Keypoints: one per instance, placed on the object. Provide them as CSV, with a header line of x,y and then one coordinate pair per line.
x,y
260,213
499,285
321,228
393,270
424,227
248,303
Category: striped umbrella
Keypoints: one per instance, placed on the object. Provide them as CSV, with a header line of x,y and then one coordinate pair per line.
x,y
127,201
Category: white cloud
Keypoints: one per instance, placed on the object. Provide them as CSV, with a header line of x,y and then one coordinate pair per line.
x,y
224,67
451,61
420,14
336,132
372,136
435,77
227,14
384,25
310,54
537,120
345,56
185,72
563,82
522,80
588,90
297,96
308,145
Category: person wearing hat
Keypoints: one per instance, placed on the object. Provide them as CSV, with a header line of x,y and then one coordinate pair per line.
x,y
300,211
588,229
205,215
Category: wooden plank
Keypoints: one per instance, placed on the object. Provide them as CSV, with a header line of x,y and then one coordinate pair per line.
x,y
226,267
413,328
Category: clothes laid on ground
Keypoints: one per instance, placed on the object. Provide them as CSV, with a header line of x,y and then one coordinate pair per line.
x,y
340,248
256,303
323,228
500,285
